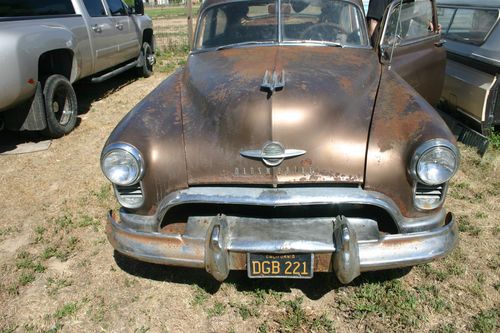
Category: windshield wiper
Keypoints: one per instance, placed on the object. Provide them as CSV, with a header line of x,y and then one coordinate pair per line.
x,y
229,46
315,42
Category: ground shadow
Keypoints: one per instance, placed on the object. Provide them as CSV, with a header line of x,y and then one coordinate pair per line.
x,y
88,93
11,140
314,289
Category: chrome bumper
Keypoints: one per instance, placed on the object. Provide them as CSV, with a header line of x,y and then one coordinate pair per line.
x,y
345,245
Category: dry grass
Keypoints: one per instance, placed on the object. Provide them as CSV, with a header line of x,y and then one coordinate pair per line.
x,y
60,274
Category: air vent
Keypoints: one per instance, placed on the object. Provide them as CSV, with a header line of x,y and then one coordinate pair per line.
x,y
130,196
429,197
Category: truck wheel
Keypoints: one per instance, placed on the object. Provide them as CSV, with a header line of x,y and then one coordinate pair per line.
x,y
61,107
149,59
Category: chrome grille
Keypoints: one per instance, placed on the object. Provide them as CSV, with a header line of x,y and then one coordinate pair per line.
x,y
130,196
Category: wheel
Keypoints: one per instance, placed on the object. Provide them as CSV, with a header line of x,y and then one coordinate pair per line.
x,y
149,60
61,107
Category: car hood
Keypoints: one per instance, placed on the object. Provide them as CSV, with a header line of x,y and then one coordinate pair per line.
x,y
324,108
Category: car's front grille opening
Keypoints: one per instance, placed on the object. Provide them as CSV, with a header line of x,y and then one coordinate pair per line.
x,y
429,196
180,214
435,191
130,196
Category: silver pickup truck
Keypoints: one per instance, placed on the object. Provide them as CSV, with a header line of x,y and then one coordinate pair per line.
x,y
47,45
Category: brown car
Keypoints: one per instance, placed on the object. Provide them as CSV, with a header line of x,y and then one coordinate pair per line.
x,y
289,145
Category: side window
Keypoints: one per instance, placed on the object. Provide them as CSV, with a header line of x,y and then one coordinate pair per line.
x,y
472,25
445,15
35,8
215,24
116,8
95,8
415,22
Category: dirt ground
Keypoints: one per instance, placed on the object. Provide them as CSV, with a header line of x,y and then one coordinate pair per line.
x,y
59,273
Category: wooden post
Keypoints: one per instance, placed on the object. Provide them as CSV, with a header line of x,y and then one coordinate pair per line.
x,y
190,21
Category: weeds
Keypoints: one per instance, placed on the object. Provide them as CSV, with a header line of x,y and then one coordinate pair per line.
x,y
245,311
200,296
66,310
486,321
295,315
464,225
217,310
388,300
54,285
444,328
494,139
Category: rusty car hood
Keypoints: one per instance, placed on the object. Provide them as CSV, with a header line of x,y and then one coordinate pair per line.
x,y
324,108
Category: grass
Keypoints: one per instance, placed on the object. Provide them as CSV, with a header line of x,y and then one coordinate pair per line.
x,y
66,310
54,285
444,328
245,311
486,321
494,139
200,296
217,310
399,306
296,318
170,12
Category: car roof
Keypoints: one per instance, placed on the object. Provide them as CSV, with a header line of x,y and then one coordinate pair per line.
x,y
208,3
469,3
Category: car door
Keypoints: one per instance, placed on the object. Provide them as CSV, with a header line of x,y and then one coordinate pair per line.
x,y
410,44
126,33
102,32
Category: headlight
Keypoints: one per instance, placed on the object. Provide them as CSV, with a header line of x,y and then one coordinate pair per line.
x,y
122,164
435,162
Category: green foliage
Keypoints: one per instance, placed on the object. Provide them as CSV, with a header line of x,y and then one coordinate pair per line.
x,y
486,321
66,310
217,310
200,296
495,139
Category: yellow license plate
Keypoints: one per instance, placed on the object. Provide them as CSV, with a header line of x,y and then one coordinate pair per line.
x,y
289,266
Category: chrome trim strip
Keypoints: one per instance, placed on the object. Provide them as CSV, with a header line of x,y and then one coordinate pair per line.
x,y
297,196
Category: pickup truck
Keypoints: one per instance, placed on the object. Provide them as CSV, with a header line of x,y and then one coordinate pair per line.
x,y
46,46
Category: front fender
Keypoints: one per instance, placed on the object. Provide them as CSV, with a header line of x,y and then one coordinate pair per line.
x,y
154,126
402,120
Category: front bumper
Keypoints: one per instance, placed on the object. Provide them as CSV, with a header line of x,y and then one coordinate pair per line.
x,y
346,246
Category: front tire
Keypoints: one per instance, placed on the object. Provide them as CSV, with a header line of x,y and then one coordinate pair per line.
x,y
61,107
148,60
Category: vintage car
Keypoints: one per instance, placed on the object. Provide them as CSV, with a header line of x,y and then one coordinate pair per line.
x,y
472,81
289,145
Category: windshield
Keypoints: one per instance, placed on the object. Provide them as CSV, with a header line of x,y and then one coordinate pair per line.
x,y
326,22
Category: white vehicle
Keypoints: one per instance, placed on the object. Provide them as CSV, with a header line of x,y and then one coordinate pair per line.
x,y
47,45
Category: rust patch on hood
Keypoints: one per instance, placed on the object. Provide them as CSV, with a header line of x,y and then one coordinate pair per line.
x,y
315,111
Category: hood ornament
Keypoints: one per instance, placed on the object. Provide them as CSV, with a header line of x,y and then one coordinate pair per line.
x,y
273,82
272,154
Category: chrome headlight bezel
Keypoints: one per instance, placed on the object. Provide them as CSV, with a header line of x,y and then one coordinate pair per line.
x,y
427,147
133,152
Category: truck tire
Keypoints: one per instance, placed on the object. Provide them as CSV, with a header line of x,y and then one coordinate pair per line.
x,y
61,107
147,66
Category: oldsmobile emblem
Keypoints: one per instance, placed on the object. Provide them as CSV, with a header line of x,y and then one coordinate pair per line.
x,y
272,154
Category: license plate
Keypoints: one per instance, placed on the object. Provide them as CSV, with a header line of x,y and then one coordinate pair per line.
x,y
289,266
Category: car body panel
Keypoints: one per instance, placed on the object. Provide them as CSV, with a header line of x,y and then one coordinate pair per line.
x,y
418,61
223,119
472,81
402,120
